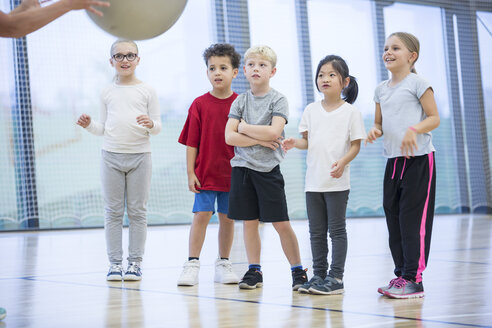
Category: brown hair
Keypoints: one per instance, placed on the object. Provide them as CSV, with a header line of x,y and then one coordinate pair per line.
x,y
411,42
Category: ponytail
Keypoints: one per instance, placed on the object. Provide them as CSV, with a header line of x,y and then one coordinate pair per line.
x,y
351,91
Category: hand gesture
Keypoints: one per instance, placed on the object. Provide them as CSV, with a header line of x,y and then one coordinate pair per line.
x,y
145,121
288,144
88,5
373,134
193,182
409,143
84,120
29,4
337,169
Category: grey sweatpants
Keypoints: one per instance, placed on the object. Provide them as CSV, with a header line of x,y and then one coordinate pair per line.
x,y
326,213
125,177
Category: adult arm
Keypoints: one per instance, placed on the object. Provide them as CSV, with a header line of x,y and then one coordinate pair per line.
x,y
29,16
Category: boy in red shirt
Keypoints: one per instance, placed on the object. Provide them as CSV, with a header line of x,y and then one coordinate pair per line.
x,y
208,163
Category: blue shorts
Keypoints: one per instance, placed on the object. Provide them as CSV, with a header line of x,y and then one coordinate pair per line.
x,y
205,201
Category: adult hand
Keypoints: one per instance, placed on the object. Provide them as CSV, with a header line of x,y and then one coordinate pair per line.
x,y
87,4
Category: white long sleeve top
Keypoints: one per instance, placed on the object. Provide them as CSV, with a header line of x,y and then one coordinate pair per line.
x,y
120,107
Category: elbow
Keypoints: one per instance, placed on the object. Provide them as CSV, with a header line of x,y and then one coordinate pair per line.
x,y
438,121
274,135
228,139
11,32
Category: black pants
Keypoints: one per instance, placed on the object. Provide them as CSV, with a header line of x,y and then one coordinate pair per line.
x,y
409,198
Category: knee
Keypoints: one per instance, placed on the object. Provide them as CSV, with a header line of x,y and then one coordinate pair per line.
x,y
283,227
202,218
338,232
113,214
137,215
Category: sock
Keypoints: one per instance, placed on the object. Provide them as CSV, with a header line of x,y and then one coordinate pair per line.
x,y
193,258
224,258
296,266
257,267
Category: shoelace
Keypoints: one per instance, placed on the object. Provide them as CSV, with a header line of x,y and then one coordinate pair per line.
x,y
133,268
392,282
399,282
115,268
226,264
187,268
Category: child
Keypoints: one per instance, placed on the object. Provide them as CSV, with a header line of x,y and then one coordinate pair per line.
x,y
256,122
406,112
130,113
208,163
331,132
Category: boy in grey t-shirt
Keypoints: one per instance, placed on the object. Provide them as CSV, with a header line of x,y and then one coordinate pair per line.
x,y
255,126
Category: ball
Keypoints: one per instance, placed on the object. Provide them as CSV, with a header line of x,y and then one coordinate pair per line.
x,y
138,19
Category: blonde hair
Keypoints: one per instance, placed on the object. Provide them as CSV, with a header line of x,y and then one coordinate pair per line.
x,y
122,41
264,51
411,43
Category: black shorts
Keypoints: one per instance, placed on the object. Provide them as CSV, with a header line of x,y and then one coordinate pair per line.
x,y
257,195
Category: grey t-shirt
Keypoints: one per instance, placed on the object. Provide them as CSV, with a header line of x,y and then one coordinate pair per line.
x,y
259,111
401,108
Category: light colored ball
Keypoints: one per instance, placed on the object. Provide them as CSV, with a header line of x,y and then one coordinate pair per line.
x,y
139,19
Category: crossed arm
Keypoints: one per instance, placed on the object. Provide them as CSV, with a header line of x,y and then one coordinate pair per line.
x,y
29,16
241,134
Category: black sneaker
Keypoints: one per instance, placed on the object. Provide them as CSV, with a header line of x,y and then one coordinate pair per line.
x,y
252,279
331,286
315,280
299,278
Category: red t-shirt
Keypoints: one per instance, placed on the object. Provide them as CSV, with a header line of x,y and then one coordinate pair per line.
x,y
204,129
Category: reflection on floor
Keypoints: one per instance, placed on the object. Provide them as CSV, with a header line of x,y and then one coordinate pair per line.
x,y
57,279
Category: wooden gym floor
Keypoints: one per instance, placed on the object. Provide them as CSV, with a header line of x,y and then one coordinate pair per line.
x,y
57,279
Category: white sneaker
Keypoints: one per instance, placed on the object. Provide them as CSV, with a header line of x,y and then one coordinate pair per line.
x,y
133,273
115,272
224,273
189,276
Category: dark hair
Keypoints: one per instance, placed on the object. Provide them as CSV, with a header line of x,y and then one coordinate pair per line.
x,y
222,50
340,66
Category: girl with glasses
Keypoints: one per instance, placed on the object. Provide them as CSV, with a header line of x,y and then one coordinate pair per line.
x,y
126,164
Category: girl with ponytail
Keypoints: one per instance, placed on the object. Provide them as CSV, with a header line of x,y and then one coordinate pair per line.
x,y
406,113
332,130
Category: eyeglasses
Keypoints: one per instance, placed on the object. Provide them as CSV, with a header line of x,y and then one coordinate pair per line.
x,y
129,56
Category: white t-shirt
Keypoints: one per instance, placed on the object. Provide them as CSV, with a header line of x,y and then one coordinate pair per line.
x,y
120,107
401,108
329,137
